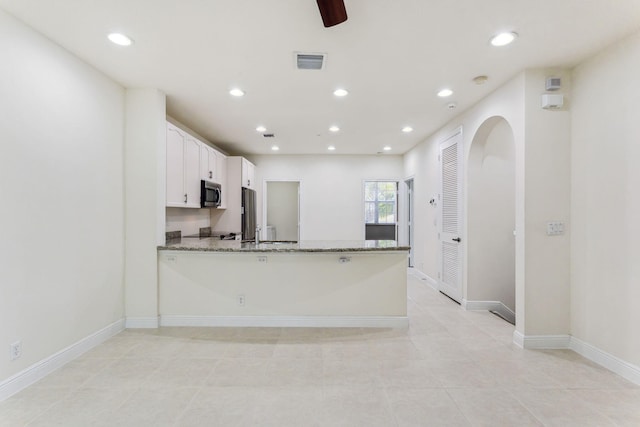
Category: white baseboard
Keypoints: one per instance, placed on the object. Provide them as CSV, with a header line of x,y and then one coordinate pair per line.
x,y
496,306
289,321
518,339
41,369
541,341
609,361
142,322
624,369
425,278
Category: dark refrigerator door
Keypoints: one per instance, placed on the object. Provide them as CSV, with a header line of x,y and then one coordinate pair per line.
x,y
248,214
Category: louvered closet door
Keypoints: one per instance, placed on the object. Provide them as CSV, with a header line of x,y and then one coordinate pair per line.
x,y
450,274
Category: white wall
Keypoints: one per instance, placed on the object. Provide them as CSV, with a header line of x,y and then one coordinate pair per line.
x,y
491,219
282,209
188,221
61,169
605,236
145,191
547,198
542,142
422,163
331,189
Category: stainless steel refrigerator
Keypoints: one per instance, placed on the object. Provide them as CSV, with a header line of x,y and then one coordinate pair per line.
x,y
248,214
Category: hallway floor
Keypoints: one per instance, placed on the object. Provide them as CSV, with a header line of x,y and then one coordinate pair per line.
x,y
451,368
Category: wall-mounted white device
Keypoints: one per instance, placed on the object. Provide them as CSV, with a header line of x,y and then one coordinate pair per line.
x,y
552,101
553,83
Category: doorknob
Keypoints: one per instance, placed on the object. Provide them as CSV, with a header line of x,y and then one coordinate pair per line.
x,y
456,239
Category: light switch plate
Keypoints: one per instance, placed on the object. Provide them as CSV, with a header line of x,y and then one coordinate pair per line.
x,y
555,228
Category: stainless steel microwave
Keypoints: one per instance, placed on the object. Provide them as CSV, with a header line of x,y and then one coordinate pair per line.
x,y
210,194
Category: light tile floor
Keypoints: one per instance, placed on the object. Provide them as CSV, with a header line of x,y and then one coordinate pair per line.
x,y
451,368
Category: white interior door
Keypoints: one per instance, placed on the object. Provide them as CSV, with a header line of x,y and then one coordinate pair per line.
x,y
450,276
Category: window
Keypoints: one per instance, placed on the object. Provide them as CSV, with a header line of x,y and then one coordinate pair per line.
x,y
380,202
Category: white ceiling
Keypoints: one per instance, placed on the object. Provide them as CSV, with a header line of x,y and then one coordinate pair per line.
x,y
392,56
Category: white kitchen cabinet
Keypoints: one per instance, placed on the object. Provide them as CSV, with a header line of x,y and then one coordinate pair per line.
x,y
175,166
208,163
183,169
238,176
213,167
192,172
248,174
221,169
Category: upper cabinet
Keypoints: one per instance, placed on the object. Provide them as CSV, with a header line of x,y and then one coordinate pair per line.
x,y
191,175
188,162
221,168
248,174
183,163
208,163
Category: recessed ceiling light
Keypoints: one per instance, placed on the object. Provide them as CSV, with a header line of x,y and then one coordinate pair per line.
x,y
503,39
387,148
261,129
120,39
236,92
334,129
275,148
341,92
331,148
407,129
445,92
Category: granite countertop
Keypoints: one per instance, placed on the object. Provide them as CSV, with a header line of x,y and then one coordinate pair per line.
x,y
217,245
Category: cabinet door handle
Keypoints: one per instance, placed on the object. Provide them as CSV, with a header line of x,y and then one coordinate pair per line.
x,y
248,183
456,239
210,174
185,198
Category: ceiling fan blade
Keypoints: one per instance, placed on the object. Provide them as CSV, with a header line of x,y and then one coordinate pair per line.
x,y
333,12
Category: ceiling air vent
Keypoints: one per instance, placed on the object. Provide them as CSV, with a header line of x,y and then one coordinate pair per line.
x,y
268,135
310,61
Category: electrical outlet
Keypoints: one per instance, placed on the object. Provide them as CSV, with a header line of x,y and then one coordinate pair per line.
x,y
262,259
241,300
15,350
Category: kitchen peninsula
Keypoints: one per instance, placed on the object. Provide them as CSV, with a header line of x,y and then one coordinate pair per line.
x,y
212,282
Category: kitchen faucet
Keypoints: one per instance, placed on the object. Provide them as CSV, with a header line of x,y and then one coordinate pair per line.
x,y
258,234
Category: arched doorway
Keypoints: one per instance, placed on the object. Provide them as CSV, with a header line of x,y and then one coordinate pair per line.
x,y
491,219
